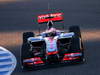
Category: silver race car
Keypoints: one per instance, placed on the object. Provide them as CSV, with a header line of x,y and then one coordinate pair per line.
x,y
52,46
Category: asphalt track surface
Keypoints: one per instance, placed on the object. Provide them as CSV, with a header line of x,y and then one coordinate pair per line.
x,y
16,16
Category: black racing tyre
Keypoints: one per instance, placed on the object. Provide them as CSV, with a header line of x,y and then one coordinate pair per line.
x,y
76,30
77,46
26,35
77,43
25,53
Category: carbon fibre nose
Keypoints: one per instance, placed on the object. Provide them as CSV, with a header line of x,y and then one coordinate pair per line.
x,y
7,62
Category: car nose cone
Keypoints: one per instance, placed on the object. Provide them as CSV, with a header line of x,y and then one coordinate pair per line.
x,y
7,62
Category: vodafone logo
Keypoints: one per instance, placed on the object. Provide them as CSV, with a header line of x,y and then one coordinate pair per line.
x,y
50,15
43,16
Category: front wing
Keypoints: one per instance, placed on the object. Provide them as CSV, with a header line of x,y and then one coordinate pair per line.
x,y
69,58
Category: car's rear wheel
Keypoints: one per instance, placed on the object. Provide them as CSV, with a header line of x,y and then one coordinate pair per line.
x,y
76,46
76,42
26,35
25,53
76,30
77,39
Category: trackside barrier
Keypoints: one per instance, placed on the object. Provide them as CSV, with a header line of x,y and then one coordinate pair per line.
x,y
7,62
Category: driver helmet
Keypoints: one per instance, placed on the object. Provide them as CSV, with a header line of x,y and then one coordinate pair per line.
x,y
51,32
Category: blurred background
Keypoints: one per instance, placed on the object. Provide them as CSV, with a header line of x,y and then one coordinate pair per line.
x,y
18,16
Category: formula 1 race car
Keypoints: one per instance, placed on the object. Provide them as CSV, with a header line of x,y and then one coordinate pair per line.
x,y
51,46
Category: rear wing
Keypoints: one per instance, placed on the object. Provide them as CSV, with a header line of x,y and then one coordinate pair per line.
x,y
50,17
